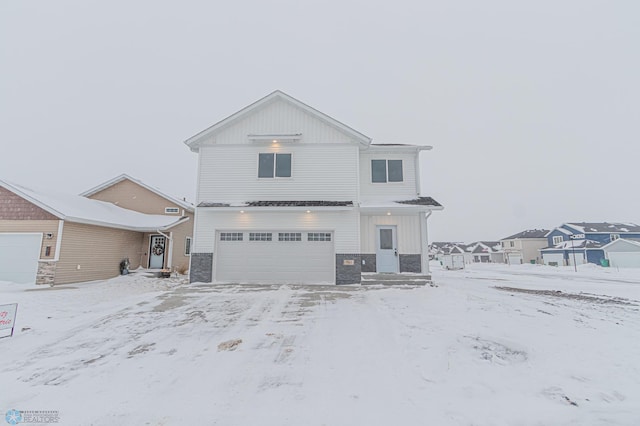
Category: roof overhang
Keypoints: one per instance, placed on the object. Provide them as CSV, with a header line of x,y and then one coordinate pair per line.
x,y
144,228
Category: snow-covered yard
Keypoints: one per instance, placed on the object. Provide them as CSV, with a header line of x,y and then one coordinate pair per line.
x,y
489,345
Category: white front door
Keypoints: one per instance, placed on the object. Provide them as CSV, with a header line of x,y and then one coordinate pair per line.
x,y
386,249
156,252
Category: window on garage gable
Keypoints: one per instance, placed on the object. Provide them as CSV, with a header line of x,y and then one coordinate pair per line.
x,y
383,171
274,165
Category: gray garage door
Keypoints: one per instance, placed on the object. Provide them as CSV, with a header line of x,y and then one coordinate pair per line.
x,y
19,254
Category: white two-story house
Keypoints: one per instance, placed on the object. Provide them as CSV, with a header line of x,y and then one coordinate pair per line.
x,y
287,194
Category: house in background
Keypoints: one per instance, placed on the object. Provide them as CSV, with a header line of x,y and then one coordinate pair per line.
x,y
524,247
583,242
623,253
133,194
287,194
487,252
48,238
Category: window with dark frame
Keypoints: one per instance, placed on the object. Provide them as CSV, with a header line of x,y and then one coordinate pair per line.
x,y
260,236
383,171
289,236
319,236
231,236
274,165
187,246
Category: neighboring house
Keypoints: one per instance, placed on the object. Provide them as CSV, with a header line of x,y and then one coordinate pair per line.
x,y
438,249
133,194
623,253
524,247
583,242
465,250
50,238
487,252
287,194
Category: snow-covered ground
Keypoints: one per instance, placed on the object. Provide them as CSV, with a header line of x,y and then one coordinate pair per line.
x,y
489,345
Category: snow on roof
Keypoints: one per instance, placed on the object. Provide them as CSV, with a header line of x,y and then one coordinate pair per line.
x,y
603,227
182,203
529,233
575,244
75,208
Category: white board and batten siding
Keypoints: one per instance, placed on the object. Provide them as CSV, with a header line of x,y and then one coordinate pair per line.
x,y
279,117
408,229
397,191
317,173
344,225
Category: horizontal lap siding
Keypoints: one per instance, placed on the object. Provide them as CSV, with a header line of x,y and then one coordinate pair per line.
x,y
97,250
405,190
318,172
343,223
40,226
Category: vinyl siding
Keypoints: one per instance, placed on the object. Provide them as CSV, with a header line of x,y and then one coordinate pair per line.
x,y
405,190
280,117
343,223
229,173
39,226
97,250
408,228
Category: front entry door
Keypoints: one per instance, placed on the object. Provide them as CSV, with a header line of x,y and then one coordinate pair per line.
x,y
386,249
156,252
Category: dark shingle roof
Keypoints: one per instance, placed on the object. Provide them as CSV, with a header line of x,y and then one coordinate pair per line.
x,y
315,203
606,227
421,201
529,233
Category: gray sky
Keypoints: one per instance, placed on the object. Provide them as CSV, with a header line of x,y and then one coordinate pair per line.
x,y
532,107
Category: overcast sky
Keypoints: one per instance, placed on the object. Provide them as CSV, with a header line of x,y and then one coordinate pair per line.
x,y
532,107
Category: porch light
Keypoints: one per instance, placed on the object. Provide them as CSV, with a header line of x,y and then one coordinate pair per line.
x,y
275,141
242,211
388,213
308,211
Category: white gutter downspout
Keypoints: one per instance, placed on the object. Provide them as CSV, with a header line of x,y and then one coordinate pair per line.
x,y
424,243
170,252
56,256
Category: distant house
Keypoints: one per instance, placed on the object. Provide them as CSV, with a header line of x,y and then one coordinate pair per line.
x,y
623,253
440,248
524,247
487,252
48,238
162,250
584,242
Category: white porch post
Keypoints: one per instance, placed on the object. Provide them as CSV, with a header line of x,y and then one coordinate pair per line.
x,y
424,244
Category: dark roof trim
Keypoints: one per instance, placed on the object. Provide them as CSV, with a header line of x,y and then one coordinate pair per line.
x,y
315,203
421,201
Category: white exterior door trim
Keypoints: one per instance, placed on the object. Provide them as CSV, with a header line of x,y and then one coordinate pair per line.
x,y
387,249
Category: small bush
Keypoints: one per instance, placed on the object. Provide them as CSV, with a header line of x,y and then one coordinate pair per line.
x,y
182,269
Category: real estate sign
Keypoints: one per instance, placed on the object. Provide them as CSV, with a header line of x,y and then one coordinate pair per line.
x,y
8,317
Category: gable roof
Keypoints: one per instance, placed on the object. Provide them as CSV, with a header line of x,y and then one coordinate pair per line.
x,y
184,204
529,233
195,141
78,209
603,227
575,244
631,241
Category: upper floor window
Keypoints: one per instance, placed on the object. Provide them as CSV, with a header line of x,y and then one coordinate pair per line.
x,y
383,171
272,165
557,239
614,237
171,210
511,244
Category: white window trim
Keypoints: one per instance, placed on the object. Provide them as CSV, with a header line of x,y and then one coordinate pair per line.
x,y
557,239
387,182
188,243
274,177
614,237
171,210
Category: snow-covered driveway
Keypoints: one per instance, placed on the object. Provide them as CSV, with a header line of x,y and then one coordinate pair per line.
x,y
547,347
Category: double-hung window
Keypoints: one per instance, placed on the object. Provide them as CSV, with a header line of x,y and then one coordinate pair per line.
x,y
557,239
383,171
274,165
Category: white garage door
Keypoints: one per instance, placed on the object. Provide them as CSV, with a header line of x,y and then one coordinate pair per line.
x,y
555,259
275,257
624,259
514,258
19,254
580,260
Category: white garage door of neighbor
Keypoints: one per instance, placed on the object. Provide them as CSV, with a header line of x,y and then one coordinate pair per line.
x,y
624,259
19,254
556,258
580,260
514,258
275,257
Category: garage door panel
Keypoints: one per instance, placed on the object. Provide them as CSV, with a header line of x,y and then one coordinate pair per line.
x,y
304,261
553,258
19,255
624,259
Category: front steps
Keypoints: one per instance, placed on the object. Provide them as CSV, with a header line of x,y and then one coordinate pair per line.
x,y
396,279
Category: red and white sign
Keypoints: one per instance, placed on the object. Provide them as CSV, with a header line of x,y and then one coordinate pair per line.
x,y
8,316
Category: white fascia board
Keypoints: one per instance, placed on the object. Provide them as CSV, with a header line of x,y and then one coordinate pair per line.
x,y
32,200
126,227
620,241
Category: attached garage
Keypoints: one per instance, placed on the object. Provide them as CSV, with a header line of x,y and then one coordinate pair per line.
x,y
623,253
576,258
514,258
275,257
19,255
553,259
